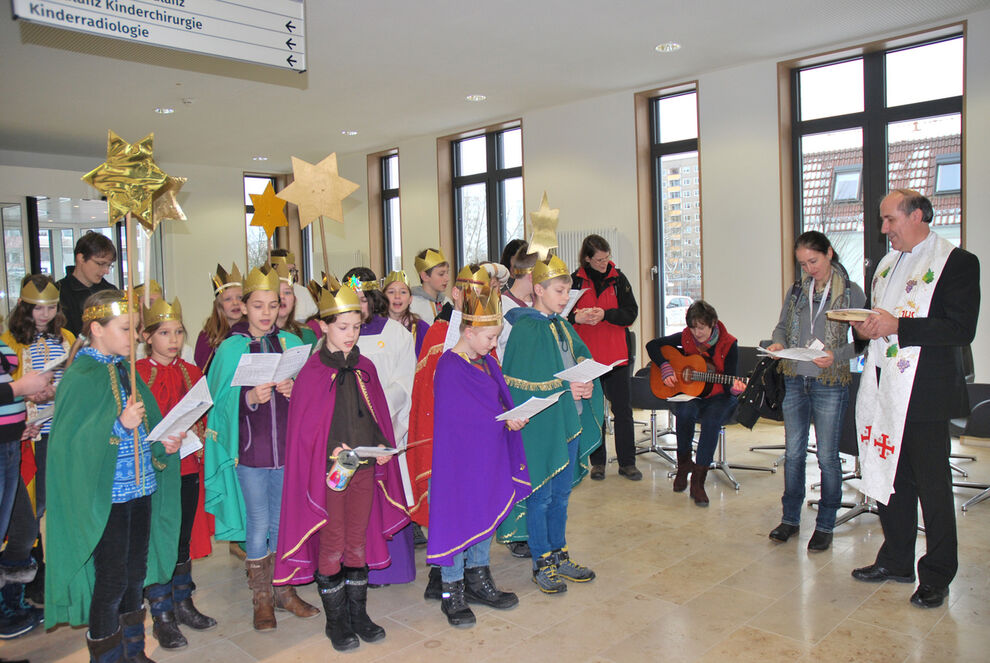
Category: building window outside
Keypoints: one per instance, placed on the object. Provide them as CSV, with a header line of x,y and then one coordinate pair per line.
x,y
488,193
391,222
865,125
257,240
674,152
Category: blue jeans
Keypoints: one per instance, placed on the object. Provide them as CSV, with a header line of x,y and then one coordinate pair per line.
x,y
262,489
712,412
10,477
546,509
807,399
472,557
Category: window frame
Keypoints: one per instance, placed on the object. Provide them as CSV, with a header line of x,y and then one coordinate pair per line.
x,y
249,209
389,193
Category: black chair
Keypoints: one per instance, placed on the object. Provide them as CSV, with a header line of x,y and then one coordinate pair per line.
x,y
641,397
977,425
977,392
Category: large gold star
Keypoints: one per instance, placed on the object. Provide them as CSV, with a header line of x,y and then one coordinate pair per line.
x,y
128,178
318,190
544,235
268,211
164,206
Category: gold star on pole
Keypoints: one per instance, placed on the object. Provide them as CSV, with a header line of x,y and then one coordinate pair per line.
x,y
268,211
317,190
164,206
128,178
544,235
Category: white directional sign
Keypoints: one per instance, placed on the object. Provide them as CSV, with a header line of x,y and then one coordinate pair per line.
x,y
270,32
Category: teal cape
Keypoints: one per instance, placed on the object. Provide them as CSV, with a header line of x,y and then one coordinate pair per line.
x,y
223,492
532,356
82,459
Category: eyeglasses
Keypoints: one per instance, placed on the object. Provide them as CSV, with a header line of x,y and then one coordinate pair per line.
x,y
601,261
102,264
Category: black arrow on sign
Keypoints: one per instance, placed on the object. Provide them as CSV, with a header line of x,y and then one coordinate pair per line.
x,y
291,60
289,26
290,43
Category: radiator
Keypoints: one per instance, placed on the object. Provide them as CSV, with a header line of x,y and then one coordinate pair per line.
x,y
569,242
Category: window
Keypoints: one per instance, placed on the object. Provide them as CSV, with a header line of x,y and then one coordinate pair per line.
x,y
488,193
391,223
674,153
257,240
865,125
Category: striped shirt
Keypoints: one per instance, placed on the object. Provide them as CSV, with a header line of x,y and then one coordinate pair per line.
x,y
12,410
43,350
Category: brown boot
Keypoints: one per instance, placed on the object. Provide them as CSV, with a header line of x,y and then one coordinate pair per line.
x,y
287,599
259,574
684,466
698,475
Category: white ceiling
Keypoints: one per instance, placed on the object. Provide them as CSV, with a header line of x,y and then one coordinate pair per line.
x,y
393,69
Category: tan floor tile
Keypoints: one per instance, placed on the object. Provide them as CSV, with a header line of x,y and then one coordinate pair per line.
x,y
750,645
857,642
890,608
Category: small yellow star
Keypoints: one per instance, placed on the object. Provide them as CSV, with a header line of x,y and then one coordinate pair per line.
x,y
544,235
268,211
164,206
317,190
128,178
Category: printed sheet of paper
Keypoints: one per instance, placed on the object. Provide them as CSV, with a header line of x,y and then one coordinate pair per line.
x,y
680,398
54,363
533,406
40,419
586,371
185,413
375,452
263,367
795,354
572,300
190,444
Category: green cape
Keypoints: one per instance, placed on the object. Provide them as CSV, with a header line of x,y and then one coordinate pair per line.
x,y
532,356
223,492
82,459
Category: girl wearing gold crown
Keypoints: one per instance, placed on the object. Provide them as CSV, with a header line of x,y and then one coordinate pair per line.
x,y
245,448
287,307
36,333
338,515
107,485
227,312
398,293
170,377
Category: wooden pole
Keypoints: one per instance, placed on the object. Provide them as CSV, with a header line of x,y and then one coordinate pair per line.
x,y
132,320
323,239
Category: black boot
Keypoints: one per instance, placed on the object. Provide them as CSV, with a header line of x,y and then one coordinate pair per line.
x,y
334,598
453,605
698,475
165,626
684,467
105,650
479,587
132,630
433,585
356,582
185,611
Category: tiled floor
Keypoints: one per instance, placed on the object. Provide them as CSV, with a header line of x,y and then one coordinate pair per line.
x,y
675,582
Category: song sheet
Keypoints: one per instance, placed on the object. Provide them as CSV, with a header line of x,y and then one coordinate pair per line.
x,y
264,367
533,406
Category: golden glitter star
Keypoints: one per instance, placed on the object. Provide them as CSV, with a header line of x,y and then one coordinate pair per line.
x,y
544,235
164,206
317,190
268,211
128,178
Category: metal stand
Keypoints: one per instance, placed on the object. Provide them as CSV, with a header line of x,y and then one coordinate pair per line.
x,y
978,498
864,505
654,438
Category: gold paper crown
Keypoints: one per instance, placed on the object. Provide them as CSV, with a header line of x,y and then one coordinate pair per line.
x,y
258,279
395,277
355,284
47,297
330,281
153,286
108,310
430,260
222,279
544,270
471,280
161,311
482,310
331,302
282,270
289,259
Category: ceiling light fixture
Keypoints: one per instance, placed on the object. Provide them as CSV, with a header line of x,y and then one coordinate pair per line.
x,y
163,110
667,47
348,132
259,158
475,97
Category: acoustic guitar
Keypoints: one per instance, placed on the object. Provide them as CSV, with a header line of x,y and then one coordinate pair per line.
x,y
694,375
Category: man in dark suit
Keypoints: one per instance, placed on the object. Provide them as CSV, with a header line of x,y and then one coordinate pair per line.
x,y
938,394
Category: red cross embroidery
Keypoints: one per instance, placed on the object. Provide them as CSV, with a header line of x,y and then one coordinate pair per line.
x,y
883,445
865,437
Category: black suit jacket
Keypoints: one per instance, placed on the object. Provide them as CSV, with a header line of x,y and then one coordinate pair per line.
x,y
939,391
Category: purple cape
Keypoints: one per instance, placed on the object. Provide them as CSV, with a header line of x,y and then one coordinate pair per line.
x,y
479,466
304,491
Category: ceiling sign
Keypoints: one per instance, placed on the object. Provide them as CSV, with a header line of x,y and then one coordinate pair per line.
x,y
269,32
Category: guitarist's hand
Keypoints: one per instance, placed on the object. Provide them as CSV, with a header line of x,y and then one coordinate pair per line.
x,y
826,361
774,347
670,381
738,386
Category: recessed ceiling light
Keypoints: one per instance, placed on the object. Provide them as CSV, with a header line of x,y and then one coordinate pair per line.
x,y
259,158
163,110
475,97
668,47
348,132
